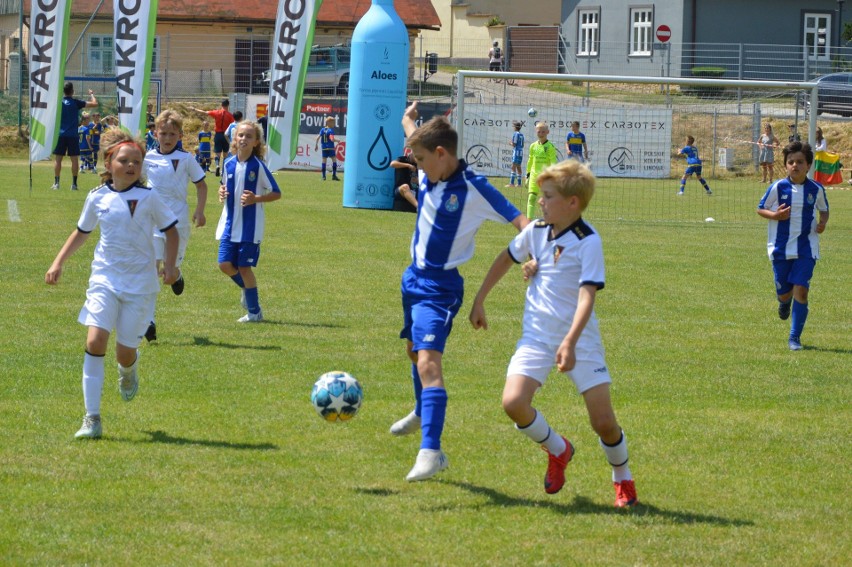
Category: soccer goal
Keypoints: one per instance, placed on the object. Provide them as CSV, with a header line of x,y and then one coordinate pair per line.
x,y
635,130
106,91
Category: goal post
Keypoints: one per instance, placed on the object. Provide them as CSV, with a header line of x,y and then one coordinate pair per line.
x,y
635,128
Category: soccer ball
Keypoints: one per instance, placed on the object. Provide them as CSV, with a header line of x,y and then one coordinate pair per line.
x,y
532,112
337,396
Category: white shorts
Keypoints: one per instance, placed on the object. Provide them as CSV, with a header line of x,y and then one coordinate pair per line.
x,y
128,313
160,243
536,359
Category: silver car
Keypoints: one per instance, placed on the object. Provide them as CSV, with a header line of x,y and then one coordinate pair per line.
x,y
328,70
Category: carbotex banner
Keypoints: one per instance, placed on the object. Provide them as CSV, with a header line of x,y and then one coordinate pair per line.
x,y
134,26
48,37
291,48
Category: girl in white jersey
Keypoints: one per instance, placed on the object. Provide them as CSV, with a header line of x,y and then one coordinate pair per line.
x,y
123,284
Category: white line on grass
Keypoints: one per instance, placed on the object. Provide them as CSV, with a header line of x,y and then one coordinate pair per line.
x,y
12,207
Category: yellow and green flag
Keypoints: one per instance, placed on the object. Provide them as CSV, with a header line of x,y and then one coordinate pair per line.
x,y
827,168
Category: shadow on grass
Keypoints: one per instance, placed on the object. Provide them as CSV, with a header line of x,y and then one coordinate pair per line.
x,y
163,437
377,491
832,350
304,324
582,505
204,341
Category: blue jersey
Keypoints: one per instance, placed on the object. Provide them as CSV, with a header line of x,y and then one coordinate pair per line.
x,y
204,143
150,141
691,153
326,138
83,133
95,131
449,214
795,237
575,142
517,147
70,120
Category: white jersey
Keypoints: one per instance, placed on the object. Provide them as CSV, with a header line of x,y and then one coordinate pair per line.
x,y
168,175
566,262
124,256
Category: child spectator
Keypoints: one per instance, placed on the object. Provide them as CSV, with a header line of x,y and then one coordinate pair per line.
x,y
542,155
405,183
204,137
96,129
575,143
247,185
123,283
222,118
168,169
693,165
454,202
790,205
326,137
150,137
517,144
560,324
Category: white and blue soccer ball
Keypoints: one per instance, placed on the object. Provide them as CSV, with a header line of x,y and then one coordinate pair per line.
x,y
337,396
532,112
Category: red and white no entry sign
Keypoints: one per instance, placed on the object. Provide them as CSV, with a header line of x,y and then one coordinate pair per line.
x,y
664,33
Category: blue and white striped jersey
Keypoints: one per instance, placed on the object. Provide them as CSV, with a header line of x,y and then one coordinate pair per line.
x,y
238,223
448,215
795,237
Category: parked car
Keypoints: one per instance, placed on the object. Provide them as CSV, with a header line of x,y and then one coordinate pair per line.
x,y
835,94
328,70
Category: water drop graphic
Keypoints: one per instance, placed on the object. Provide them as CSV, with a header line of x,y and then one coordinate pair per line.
x,y
379,156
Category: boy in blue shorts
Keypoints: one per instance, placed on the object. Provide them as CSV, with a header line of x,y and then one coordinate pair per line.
x,y
453,203
560,326
791,205
326,138
693,165
517,144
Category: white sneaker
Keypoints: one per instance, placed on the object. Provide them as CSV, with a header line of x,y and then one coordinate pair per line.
x,y
251,318
429,463
91,428
407,425
55,186
128,380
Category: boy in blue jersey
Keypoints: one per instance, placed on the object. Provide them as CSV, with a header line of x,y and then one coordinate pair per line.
x,y
84,141
560,326
517,144
693,165
204,138
326,138
453,202
96,128
575,143
790,205
247,185
150,138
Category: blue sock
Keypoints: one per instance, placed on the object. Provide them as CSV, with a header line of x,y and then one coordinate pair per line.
x,y
682,185
238,279
418,389
323,170
512,179
334,168
252,301
434,412
703,182
800,315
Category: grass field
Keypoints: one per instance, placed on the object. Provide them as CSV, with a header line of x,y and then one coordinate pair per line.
x,y
739,446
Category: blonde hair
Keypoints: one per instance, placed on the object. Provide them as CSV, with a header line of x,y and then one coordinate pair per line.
x,y
169,117
329,120
260,149
571,178
542,123
111,141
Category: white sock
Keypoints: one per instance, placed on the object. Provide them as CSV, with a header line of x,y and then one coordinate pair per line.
x,y
93,383
540,432
125,370
617,457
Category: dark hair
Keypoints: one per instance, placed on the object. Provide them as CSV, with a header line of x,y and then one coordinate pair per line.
x,y
226,103
436,132
238,116
68,89
794,147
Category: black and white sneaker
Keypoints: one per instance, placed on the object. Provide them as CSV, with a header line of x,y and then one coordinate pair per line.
x,y
177,287
151,333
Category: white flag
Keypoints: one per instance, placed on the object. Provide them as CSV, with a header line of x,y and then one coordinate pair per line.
x,y
134,26
291,48
48,37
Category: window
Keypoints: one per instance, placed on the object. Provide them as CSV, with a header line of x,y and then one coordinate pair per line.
x,y
588,32
641,30
101,55
817,39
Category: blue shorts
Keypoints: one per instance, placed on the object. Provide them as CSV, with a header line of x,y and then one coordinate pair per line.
x,y
67,145
788,273
240,254
221,143
690,169
430,301
328,153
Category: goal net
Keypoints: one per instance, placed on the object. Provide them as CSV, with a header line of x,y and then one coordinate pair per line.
x,y
635,128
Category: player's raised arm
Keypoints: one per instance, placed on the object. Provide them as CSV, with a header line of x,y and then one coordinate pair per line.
x,y
409,119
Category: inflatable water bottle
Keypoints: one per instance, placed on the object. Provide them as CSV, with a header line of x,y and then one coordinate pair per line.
x,y
378,83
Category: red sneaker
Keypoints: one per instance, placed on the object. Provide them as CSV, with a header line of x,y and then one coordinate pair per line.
x,y
625,494
554,478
